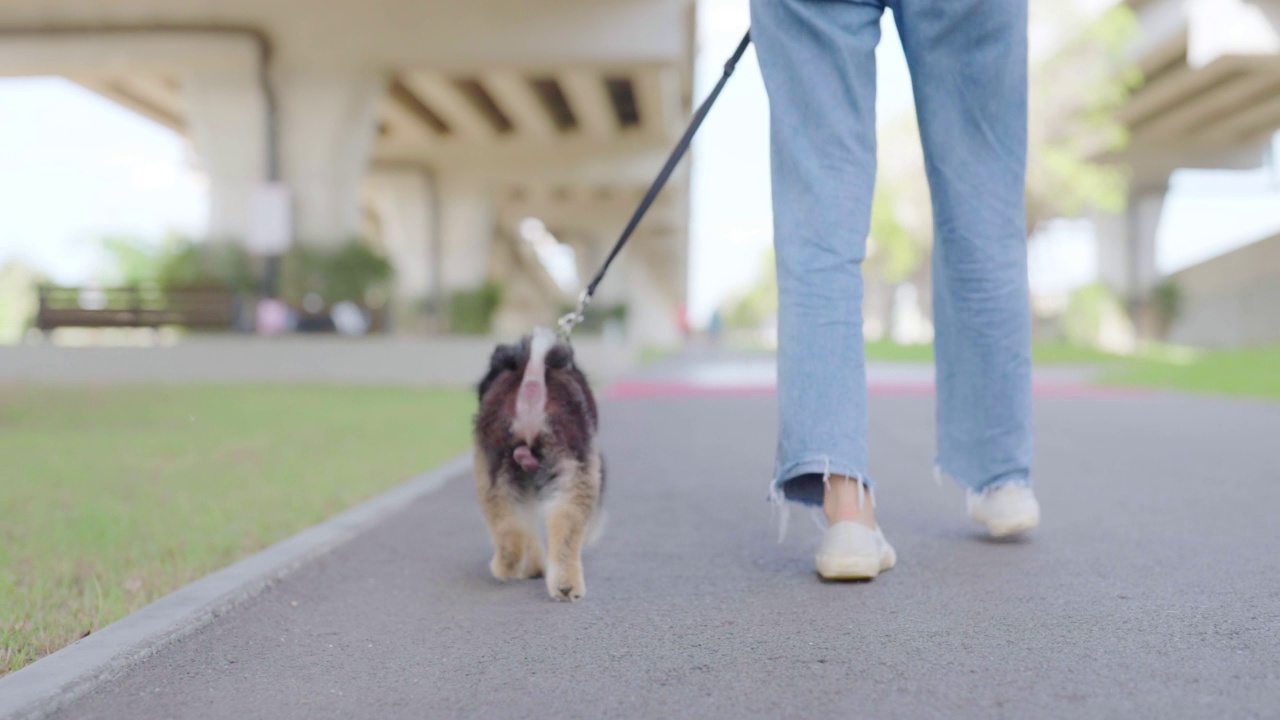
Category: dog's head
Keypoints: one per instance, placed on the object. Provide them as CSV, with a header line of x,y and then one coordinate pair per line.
x,y
508,364
533,392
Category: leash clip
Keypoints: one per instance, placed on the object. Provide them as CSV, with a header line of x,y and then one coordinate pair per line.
x,y
571,320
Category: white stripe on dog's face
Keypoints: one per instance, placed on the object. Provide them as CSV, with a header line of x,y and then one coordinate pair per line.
x,y
531,401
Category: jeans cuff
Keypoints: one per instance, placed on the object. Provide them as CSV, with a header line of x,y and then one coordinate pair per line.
x,y
804,482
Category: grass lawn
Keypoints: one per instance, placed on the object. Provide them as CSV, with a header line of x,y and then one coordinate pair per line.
x,y
112,497
1247,373
1041,353
1250,372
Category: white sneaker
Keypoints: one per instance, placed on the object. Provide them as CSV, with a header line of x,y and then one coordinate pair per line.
x,y
1006,510
852,551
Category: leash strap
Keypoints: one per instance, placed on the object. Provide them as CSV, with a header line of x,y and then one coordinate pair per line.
x,y
571,320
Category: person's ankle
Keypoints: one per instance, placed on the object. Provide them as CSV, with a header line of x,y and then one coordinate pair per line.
x,y
847,500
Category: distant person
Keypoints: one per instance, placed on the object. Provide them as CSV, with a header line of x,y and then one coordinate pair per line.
x,y
715,328
968,61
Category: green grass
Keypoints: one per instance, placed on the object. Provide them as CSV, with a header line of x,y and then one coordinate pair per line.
x,y
1247,373
1244,373
651,354
1060,353
1041,353
889,351
113,497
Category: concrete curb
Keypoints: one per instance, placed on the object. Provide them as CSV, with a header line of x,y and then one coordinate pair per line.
x,y
51,683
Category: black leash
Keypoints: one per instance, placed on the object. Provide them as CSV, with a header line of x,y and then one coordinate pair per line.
x,y
571,320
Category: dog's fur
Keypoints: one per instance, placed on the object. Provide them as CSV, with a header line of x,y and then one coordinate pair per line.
x,y
535,445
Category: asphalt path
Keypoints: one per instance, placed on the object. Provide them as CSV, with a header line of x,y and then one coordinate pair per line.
x,y
1151,590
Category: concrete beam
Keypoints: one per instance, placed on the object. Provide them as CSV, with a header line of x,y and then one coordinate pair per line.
x,y
1166,90
443,35
1150,165
658,97
587,208
442,96
121,93
404,126
104,53
628,160
1259,119
1222,103
159,90
585,91
512,93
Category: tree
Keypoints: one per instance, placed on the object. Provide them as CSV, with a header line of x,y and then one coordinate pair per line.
x,y
1073,132
894,252
750,310
18,302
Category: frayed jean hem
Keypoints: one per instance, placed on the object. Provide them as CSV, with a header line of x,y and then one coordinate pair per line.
x,y
804,482
1013,479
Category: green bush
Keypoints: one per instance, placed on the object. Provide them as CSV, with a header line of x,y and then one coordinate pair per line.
x,y
1166,300
471,311
754,307
179,262
597,316
353,272
1087,310
204,264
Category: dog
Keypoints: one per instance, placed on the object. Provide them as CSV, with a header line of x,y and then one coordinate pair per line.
x,y
536,454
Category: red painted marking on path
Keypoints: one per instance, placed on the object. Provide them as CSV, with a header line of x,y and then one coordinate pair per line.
x,y
649,390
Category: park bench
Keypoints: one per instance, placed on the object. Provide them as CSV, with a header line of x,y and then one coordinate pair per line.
x,y
203,308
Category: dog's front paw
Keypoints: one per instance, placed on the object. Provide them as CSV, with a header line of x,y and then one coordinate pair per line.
x,y
532,567
566,584
505,566
516,567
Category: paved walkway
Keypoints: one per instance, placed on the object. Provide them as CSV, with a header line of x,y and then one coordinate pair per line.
x,y
378,360
1152,590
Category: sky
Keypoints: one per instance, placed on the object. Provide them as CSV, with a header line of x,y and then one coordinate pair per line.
x,y
75,168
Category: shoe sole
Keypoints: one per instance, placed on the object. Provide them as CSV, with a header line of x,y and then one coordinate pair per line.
x,y
1013,527
851,568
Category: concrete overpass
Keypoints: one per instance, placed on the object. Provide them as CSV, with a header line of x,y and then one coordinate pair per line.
x,y
437,125
1210,99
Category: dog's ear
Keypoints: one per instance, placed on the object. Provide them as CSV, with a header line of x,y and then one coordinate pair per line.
x,y
560,356
505,358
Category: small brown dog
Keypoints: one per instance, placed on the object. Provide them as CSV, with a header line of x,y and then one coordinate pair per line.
x,y
535,443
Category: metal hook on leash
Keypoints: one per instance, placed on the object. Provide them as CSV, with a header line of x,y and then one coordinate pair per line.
x,y
573,318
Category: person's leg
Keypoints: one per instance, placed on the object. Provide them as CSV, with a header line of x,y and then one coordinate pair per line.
x,y
968,61
818,62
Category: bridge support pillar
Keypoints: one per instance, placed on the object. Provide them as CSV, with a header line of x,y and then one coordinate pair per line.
x,y
1127,253
229,125
402,202
653,298
316,138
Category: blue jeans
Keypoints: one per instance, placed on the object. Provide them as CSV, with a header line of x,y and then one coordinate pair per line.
x,y
968,62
